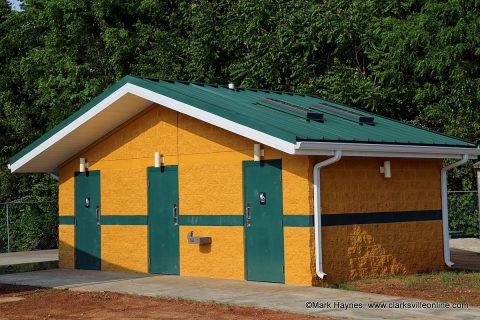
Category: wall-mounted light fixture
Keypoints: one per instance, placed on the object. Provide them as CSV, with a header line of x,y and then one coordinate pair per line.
x,y
258,152
158,159
82,165
385,169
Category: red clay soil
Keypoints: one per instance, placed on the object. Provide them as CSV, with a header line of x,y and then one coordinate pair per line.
x,y
430,291
63,304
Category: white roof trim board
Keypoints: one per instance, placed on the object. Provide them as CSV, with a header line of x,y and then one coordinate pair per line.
x,y
107,115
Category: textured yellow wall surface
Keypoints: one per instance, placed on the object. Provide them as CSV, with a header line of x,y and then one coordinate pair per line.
x,y
355,185
210,183
66,246
66,189
210,168
210,164
122,157
299,255
360,251
124,248
223,258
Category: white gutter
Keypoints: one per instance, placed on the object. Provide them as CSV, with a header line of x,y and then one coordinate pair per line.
x,y
446,235
318,211
384,150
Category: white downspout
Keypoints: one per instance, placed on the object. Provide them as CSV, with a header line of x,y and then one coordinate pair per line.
x,y
317,209
446,235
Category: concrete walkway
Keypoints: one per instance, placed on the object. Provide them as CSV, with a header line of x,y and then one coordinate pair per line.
x,y
14,258
257,294
465,253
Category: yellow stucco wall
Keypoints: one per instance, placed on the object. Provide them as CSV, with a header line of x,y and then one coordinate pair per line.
x,y
210,160
355,185
211,183
66,246
360,251
209,163
299,255
223,258
124,248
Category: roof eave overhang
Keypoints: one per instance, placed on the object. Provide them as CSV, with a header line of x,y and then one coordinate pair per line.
x,y
52,155
384,150
144,94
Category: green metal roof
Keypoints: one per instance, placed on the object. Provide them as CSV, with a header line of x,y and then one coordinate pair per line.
x,y
244,106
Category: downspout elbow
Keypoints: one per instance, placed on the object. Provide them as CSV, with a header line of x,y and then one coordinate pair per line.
x,y
318,211
446,235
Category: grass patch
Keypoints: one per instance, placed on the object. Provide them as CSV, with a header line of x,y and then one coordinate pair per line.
x,y
447,286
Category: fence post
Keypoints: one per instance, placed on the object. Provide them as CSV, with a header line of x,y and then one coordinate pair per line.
x,y
8,228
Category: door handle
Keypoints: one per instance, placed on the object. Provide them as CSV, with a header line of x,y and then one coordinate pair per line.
x,y
249,214
97,215
175,215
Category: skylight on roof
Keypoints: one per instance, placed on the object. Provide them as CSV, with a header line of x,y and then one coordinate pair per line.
x,y
350,115
305,113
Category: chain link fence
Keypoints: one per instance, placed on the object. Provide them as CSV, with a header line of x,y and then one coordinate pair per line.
x,y
464,214
28,225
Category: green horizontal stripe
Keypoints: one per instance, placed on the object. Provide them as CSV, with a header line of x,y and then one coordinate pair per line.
x,y
305,220
66,219
124,220
342,219
211,220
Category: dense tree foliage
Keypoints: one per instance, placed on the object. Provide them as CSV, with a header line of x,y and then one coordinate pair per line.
x,y
416,61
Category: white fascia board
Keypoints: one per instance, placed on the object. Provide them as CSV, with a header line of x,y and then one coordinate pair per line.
x,y
165,101
383,150
68,129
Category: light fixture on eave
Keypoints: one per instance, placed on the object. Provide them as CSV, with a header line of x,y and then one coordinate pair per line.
x,y
258,152
158,159
386,170
83,165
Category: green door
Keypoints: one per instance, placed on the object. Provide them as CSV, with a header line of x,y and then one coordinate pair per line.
x,y
262,183
163,213
87,220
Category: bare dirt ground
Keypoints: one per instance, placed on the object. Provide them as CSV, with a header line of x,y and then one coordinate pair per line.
x,y
446,286
39,303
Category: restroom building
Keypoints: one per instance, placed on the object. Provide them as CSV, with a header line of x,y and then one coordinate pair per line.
x,y
190,179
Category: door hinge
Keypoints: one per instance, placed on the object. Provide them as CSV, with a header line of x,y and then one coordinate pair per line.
x,y
283,269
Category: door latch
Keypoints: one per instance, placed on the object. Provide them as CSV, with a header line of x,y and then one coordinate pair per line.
x,y
97,215
175,215
249,215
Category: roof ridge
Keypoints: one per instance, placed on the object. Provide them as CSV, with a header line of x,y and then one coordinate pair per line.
x,y
224,86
